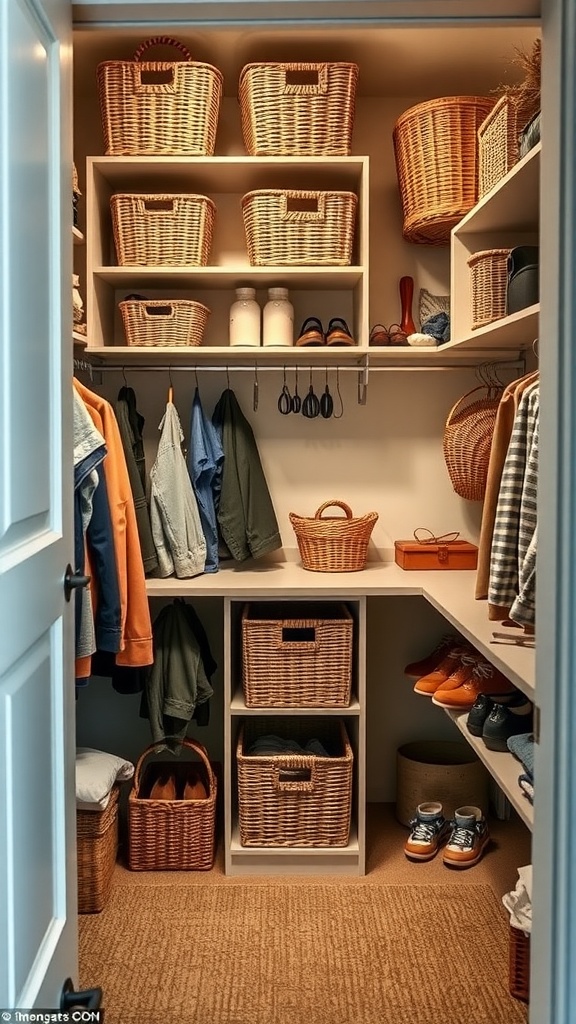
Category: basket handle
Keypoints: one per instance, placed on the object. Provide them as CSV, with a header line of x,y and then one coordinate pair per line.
x,y
303,206
190,744
306,80
161,41
152,207
299,643
339,504
294,776
481,387
165,310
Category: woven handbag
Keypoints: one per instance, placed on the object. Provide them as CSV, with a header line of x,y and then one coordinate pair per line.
x,y
468,440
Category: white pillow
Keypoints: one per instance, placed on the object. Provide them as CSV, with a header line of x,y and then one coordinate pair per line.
x,y
96,773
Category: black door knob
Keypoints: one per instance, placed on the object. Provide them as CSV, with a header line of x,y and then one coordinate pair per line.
x,y
87,998
72,581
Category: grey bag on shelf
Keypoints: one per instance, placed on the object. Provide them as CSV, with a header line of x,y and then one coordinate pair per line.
x,y
523,278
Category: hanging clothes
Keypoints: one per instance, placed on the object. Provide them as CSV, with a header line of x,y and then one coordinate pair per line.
x,y
516,513
177,685
205,459
89,453
136,627
245,512
176,526
131,425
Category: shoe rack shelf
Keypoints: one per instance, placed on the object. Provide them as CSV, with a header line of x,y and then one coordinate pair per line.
x,y
319,291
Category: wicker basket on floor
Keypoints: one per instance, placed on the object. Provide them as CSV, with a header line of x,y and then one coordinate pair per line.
x,y
298,109
164,322
489,285
436,150
519,964
97,848
299,228
176,116
499,135
333,543
171,835
162,230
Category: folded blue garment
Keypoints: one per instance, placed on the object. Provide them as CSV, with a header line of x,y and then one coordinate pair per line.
x,y
268,745
522,746
437,326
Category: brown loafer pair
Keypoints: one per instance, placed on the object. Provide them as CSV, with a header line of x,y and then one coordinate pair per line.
x,y
312,332
393,335
165,788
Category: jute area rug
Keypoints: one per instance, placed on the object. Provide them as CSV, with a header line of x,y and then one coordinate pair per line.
x,y
303,954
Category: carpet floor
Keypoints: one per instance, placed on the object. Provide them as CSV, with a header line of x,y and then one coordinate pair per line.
x,y
303,954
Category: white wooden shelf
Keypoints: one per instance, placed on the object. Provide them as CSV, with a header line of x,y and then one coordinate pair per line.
x,y
80,340
77,236
238,707
227,278
512,204
503,767
276,860
127,355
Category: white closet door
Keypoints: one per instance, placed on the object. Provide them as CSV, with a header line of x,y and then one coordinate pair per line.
x,y
38,944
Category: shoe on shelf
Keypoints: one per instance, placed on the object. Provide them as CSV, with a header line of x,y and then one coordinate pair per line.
x,y
311,332
194,788
505,720
417,669
164,787
429,828
484,678
478,714
468,839
455,668
338,332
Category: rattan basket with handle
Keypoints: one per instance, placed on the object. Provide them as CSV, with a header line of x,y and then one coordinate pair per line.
x,y
162,229
488,285
468,440
142,116
171,835
164,322
97,848
333,543
298,109
436,151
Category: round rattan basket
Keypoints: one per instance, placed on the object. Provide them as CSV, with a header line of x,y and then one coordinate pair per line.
x,y
438,770
333,543
468,441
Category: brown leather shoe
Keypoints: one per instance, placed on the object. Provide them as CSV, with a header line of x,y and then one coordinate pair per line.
x,y
194,788
164,787
311,332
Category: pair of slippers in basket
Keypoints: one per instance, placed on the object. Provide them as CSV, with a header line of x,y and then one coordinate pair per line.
x,y
166,787
312,332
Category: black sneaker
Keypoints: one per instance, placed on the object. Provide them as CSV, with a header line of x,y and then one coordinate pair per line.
x,y
507,720
478,714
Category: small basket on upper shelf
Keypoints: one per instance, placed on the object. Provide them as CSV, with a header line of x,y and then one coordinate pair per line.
x,y
489,285
162,230
164,322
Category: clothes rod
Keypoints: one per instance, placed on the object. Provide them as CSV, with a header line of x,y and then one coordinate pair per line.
x,y
292,367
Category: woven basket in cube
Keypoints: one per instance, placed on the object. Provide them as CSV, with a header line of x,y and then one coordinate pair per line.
x,y
164,322
298,109
153,107
171,835
295,799
489,285
333,543
436,151
299,228
97,848
162,229
467,441
499,137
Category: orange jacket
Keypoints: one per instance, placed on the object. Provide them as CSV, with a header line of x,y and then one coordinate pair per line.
x,y
136,650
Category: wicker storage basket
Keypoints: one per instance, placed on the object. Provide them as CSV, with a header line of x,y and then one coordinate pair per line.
x,y
438,770
488,284
499,137
297,660
162,230
299,228
468,440
164,322
97,848
142,117
295,799
171,835
519,964
298,109
333,543
436,150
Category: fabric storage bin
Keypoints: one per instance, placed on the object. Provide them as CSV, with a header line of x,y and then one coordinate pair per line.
x,y
171,835
489,284
162,230
295,799
436,152
499,138
164,322
438,770
519,964
297,656
299,228
96,851
298,109
142,116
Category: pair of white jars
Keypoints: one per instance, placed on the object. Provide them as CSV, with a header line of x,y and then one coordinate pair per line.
x,y
275,328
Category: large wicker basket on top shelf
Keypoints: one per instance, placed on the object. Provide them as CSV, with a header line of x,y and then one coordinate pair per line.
x,y
436,150
298,109
142,116
333,543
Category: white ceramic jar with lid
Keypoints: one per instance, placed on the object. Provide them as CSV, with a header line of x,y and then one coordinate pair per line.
x,y
244,322
278,319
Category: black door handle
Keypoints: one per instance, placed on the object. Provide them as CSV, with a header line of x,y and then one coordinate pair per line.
x,y
72,581
88,998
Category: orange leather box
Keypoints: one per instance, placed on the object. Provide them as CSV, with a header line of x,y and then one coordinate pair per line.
x,y
454,554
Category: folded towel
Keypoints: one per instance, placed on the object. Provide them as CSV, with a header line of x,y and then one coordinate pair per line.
x,y
96,773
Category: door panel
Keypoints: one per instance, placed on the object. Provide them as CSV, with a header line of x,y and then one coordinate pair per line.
x,y
38,943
